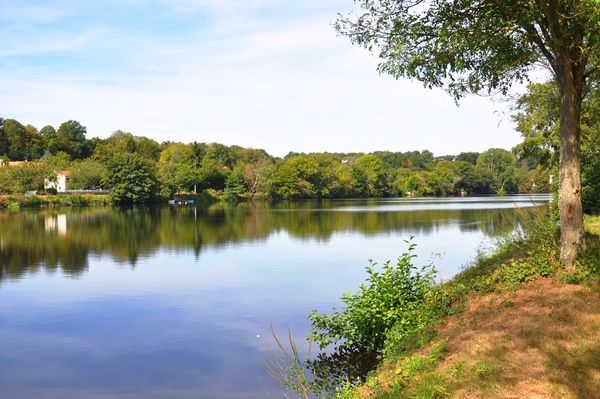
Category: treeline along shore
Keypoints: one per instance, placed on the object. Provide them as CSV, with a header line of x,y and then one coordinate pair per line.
x,y
137,169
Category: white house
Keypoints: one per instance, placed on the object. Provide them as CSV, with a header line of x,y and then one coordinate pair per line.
x,y
62,178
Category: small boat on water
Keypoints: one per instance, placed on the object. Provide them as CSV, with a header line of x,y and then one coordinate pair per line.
x,y
182,201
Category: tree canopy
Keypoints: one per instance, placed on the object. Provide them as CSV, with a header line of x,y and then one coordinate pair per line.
x,y
131,179
537,118
476,45
180,168
471,46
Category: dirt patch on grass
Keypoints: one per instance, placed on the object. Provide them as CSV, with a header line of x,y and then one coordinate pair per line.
x,y
542,341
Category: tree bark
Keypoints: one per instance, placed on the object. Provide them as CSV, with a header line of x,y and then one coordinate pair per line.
x,y
569,200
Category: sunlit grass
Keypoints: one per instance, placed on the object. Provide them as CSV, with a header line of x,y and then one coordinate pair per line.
x,y
546,344
522,329
592,224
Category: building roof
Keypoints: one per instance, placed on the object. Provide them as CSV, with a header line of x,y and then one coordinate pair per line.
x,y
64,173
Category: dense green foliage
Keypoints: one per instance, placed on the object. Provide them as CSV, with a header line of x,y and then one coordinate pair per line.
x,y
18,141
392,297
87,174
475,45
240,173
591,184
234,185
51,201
27,177
537,118
131,179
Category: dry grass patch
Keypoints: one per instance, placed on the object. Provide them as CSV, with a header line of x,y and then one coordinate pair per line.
x,y
543,338
540,341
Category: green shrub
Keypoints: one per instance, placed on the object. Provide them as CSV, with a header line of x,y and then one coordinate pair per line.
x,y
87,174
31,201
486,368
234,186
591,184
131,179
391,298
77,200
587,262
26,177
34,201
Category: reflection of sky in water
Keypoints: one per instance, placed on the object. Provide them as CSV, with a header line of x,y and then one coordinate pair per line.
x,y
448,200
177,325
420,204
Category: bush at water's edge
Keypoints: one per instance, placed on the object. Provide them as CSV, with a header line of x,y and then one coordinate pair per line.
x,y
82,200
36,201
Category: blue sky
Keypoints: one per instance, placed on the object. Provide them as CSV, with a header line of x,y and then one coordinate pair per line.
x,y
271,74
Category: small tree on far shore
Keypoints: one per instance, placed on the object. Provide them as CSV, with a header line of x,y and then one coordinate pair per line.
x,y
131,179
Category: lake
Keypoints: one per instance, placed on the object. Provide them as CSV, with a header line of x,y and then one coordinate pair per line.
x,y
172,302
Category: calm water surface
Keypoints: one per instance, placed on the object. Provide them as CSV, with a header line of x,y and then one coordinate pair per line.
x,y
177,302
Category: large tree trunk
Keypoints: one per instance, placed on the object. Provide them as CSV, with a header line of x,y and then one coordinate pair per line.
x,y
569,200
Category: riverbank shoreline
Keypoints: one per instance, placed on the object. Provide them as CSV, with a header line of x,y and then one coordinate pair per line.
x,y
18,201
512,329
208,197
539,341
52,201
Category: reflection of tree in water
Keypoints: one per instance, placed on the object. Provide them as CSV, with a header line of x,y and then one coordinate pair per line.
x,y
332,370
53,239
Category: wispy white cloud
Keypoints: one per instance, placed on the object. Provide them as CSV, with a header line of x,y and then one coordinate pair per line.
x,y
22,44
289,84
25,11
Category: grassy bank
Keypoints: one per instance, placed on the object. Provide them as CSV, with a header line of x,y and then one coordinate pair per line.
x,y
513,326
539,341
37,201
84,200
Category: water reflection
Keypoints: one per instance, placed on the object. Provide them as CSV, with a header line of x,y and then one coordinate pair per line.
x,y
176,302
53,239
